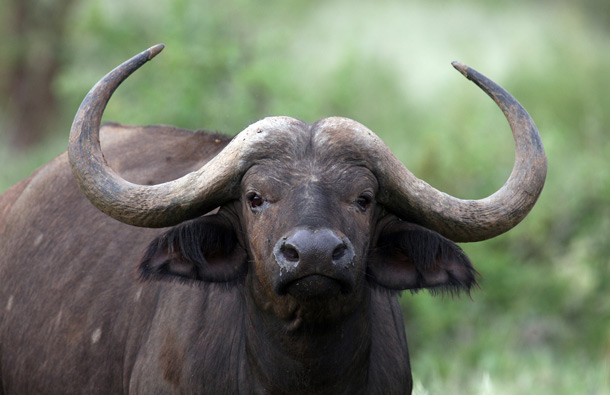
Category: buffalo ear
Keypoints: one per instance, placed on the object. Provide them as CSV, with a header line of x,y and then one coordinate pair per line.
x,y
204,249
409,256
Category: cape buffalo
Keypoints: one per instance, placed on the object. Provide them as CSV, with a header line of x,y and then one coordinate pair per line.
x,y
287,245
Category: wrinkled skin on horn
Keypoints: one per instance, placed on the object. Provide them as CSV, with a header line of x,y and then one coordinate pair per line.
x,y
218,181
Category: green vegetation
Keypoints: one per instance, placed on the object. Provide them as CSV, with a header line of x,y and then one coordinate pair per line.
x,y
540,322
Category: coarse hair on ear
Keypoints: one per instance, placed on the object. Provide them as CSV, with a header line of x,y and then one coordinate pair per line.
x,y
204,249
409,256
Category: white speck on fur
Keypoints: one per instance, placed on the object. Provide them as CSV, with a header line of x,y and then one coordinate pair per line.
x,y
58,318
38,240
138,294
9,304
96,336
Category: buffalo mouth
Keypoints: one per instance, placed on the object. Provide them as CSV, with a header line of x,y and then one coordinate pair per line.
x,y
316,286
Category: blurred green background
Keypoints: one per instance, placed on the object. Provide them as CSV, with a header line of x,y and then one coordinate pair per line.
x,y
540,322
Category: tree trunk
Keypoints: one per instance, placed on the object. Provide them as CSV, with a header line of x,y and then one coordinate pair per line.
x,y
32,45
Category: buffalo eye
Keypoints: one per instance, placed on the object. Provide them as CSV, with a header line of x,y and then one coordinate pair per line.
x,y
255,200
363,202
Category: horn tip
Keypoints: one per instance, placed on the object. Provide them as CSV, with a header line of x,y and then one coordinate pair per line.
x,y
461,67
154,50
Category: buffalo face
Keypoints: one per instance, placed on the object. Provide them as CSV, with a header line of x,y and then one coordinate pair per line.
x,y
307,235
309,217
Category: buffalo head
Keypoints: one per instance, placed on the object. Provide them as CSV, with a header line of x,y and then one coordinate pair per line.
x,y
312,216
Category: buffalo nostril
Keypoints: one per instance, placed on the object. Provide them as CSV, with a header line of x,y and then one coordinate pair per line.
x,y
339,252
314,250
290,253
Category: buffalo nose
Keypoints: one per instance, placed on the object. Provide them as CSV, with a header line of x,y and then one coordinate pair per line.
x,y
315,248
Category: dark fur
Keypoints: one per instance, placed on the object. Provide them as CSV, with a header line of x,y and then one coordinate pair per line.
x,y
74,318
201,248
424,252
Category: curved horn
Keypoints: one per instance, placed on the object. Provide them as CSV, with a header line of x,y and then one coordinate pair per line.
x,y
474,220
164,204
